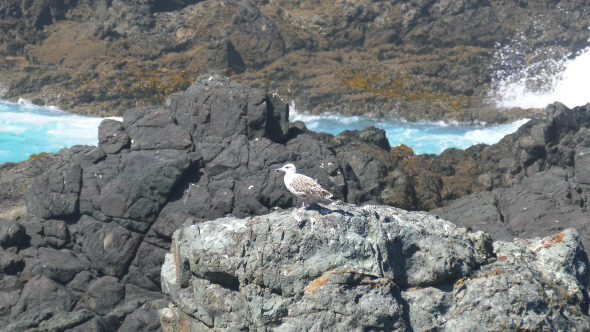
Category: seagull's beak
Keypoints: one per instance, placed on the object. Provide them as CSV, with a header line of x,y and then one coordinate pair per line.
x,y
278,170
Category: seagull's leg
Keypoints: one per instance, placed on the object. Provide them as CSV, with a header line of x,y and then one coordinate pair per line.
x,y
302,208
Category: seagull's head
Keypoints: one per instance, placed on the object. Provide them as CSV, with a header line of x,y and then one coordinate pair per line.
x,y
287,168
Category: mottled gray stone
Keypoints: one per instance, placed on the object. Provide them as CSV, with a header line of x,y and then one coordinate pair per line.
x,y
112,136
10,263
41,292
111,249
535,284
56,233
55,193
284,268
353,268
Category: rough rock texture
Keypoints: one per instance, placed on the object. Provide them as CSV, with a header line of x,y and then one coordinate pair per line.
x,y
547,166
424,182
98,223
105,56
15,178
352,268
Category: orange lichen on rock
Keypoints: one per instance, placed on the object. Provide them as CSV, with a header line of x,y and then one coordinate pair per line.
x,y
497,271
549,242
315,284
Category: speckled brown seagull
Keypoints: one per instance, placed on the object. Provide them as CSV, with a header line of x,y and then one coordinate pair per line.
x,y
302,185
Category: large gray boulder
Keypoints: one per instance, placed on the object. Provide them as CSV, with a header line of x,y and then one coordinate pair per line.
x,y
350,268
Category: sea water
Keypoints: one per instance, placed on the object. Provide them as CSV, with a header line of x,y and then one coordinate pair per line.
x,y
533,86
26,129
422,137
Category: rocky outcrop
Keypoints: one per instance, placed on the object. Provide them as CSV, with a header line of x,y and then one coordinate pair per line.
x,y
104,57
352,268
542,185
99,220
15,179
531,183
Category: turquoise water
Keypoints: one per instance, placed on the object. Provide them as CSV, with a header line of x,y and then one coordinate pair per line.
x,y
422,137
26,129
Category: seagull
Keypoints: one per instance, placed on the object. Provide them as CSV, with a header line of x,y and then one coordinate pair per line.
x,y
302,185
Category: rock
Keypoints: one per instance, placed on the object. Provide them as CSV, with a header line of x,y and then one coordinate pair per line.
x,y
104,294
56,233
144,183
208,109
11,234
154,129
111,211
302,264
112,136
488,295
111,249
41,292
10,263
56,192
539,195
15,179
60,265
373,267
431,51
103,217
32,319
145,318
64,320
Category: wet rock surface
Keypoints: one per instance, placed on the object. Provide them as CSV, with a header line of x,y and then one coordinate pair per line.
x,y
373,267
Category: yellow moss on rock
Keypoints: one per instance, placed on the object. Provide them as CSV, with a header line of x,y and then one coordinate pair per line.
x,y
151,86
399,86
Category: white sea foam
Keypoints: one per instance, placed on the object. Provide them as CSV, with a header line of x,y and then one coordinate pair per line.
x,y
26,128
564,80
494,134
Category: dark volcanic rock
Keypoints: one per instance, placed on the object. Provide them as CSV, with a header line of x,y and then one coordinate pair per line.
x,y
11,234
372,268
104,294
101,220
546,163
